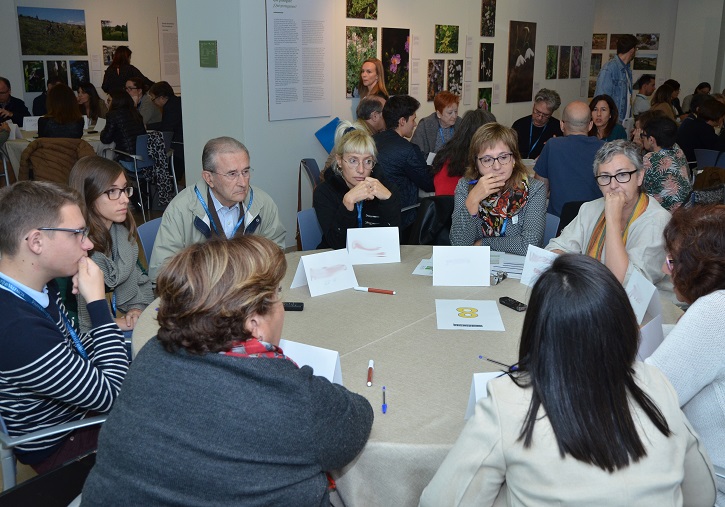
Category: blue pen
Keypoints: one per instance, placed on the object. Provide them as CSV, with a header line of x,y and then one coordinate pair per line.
x,y
510,368
385,405
503,228
473,182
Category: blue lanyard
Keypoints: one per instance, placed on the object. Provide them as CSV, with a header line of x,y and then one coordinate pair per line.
x,y
69,327
440,131
211,219
358,205
531,133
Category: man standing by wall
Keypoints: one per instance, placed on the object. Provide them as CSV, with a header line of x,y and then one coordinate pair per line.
x,y
615,78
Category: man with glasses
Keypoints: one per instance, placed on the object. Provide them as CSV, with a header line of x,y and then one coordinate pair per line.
x,y
540,126
565,163
222,204
11,108
50,372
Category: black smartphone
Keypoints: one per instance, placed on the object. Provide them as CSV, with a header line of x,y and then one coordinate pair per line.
x,y
513,304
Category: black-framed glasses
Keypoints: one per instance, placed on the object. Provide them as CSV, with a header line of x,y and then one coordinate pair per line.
x,y
670,263
83,232
604,179
115,193
503,159
643,134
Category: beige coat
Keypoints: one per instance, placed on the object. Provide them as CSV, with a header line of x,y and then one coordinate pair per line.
x,y
52,158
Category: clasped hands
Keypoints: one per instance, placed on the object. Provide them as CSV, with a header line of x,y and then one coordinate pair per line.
x,y
487,185
366,190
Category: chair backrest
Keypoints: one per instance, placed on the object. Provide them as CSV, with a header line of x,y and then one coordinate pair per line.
x,y
310,230
147,234
707,196
568,212
709,158
432,225
142,151
52,158
552,226
710,177
313,170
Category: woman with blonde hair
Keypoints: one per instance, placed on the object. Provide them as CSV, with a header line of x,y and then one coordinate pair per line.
x,y
496,203
372,79
219,414
102,184
662,100
352,193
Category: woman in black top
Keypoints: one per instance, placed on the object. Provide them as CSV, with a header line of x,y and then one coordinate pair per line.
x,y
123,125
121,70
64,119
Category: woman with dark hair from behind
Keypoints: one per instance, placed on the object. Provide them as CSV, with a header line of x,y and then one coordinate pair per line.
x,y
606,119
698,129
677,108
123,125
451,161
121,70
219,414
692,355
89,103
578,417
64,119
662,101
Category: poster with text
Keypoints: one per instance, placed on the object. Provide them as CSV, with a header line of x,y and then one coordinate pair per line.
x,y
435,78
485,70
52,31
522,50
361,43
488,18
395,44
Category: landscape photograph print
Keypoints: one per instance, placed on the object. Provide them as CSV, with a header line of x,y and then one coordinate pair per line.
x,y
114,30
52,31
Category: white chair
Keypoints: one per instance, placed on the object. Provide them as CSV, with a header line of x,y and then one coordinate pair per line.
x,y
8,443
310,230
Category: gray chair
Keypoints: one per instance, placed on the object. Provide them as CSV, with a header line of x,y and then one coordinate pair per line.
x,y
310,230
6,167
551,229
8,443
147,234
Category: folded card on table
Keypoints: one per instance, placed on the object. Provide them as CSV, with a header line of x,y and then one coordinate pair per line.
x,y
462,266
478,389
30,123
537,261
324,362
373,245
325,272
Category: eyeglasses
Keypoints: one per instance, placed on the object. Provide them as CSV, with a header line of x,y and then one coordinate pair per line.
x,y
234,175
503,159
129,88
539,114
115,193
623,177
643,135
83,232
670,263
353,162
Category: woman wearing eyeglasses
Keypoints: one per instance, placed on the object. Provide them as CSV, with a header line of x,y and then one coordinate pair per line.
x,y
693,353
496,203
136,88
624,228
351,193
105,191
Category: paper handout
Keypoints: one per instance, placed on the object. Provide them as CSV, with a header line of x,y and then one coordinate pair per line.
x,y
373,245
468,315
462,266
537,261
324,362
325,272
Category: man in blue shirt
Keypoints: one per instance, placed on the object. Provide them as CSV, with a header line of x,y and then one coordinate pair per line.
x,y
615,78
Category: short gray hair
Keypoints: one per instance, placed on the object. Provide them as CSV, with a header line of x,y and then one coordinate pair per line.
x,y
618,147
550,97
218,145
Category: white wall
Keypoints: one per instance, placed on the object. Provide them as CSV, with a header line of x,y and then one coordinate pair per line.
x,y
232,99
142,33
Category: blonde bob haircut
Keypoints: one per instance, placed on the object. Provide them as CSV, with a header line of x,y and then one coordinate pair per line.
x,y
486,137
354,141
209,291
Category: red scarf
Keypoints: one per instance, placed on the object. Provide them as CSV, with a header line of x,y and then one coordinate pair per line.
x,y
255,348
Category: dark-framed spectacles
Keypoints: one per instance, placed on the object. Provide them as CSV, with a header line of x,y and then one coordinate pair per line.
x,y
643,134
503,159
604,179
539,114
83,232
129,88
670,263
115,193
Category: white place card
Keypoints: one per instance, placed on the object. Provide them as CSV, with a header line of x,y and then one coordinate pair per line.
x,y
100,124
373,245
14,131
30,123
478,389
86,122
424,268
537,261
324,362
462,266
651,336
468,315
641,293
325,272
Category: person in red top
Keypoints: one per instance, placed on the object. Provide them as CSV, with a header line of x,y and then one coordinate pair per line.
x,y
450,162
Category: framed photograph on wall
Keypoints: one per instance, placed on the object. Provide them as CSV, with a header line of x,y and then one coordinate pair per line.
x,y
446,38
484,98
485,68
576,62
552,59
564,61
52,31
488,18
396,55
522,50
34,74
435,78
361,43
455,77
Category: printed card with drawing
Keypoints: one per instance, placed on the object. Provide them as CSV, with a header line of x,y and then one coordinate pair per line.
x,y
462,266
537,261
468,315
373,245
325,272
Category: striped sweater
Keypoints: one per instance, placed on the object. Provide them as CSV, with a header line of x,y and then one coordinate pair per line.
x,y
44,381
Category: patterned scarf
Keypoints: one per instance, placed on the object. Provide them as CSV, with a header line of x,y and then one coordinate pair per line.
x,y
255,348
495,209
596,242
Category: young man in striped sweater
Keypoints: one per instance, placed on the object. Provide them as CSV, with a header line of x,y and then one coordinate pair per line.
x,y
50,373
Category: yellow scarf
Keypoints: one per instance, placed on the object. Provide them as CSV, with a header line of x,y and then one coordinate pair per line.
x,y
596,242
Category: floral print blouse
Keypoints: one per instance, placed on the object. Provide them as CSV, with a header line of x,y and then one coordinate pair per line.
x,y
666,177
